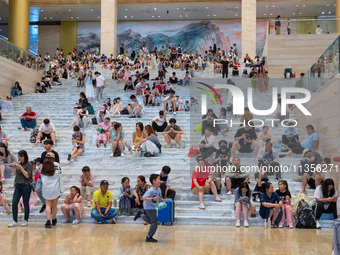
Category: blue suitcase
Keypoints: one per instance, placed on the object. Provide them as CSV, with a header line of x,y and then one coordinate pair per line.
x,y
166,216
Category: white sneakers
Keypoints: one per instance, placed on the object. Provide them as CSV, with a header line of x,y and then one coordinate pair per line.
x,y
291,226
13,224
229,192
238,224
246,224
89,204
24,223
318,226
218,199
111,155
167,146
202,207
122,155
178,146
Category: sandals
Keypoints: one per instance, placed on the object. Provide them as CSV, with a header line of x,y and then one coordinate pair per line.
x,y
274,226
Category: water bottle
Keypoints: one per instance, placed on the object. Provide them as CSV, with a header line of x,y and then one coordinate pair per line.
x,y
265,223
253,211
244,140
269,223
287,200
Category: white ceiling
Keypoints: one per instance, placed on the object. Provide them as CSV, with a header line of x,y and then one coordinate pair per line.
x,y
185,11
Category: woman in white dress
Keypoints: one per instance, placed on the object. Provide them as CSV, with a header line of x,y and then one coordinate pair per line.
x,y
51,188
153,61
89,86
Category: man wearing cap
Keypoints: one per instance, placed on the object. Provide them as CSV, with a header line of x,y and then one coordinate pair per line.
x,y
311,160
101,84
102,203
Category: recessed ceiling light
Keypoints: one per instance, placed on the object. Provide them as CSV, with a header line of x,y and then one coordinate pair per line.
x,y
236,7
214,15
50,17
329,13
264,14
327,4
153,16
267,6
183,8
208,15
159,16
41,10
304,5
273,5
293,13
177,8
300,13
207,7
334,4
125,17
180,16
71,17
44,17
126,9
98,17
0,18
297,5
236,14
186,15
155,9
131,17
77,17
69,10
91,10
323,13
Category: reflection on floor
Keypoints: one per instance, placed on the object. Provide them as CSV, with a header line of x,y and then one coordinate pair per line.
x,y
181,239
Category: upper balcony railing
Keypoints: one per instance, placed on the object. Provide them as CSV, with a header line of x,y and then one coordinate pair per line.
x,y
302,26
10,51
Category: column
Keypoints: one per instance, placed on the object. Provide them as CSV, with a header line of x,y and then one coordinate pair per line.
x,y
19,23
337,15
68,36
249,28
108,27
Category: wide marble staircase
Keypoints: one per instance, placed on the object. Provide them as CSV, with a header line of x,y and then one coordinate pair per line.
x,y
57,105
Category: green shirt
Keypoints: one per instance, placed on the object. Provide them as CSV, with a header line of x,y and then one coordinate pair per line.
x,y
172,134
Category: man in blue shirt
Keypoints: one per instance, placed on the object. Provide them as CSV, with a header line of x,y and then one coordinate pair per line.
x,y
134,107
311,142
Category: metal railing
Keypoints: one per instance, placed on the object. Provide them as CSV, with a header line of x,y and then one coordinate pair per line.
x,y
325,68
18,55
303,26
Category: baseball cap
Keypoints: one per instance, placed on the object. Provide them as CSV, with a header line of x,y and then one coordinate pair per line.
x,y
305,151
104,182
50,155
102,108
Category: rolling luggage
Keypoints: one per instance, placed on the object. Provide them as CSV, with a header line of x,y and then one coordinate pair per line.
x,y
166,216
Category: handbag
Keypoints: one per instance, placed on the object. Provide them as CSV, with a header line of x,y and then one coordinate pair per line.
x,y
193,151
136,152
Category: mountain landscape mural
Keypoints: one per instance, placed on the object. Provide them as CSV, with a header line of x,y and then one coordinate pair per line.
x,y
192,36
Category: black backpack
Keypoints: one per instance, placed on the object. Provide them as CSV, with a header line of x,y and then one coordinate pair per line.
x,y
33,136
306,217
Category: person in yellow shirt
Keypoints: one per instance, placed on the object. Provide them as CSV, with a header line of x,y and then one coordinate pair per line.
x,y
102,203
247,116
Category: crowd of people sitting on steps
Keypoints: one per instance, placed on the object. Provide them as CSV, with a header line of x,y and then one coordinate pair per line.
x,y
42,177
222,165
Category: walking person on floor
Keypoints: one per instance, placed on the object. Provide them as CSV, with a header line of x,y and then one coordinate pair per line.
x,y
22,182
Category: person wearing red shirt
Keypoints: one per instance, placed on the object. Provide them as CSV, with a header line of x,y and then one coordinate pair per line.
x,y
202,182
28,119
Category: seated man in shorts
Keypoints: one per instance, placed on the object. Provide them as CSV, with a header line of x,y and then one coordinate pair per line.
x,y
314,177
245,141
46,130
202,183
134,107
235,176
173,132
170,103
311,142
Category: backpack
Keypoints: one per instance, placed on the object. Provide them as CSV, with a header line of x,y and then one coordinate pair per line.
x,y
33,136
94,121
179,50
117,152
306,217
